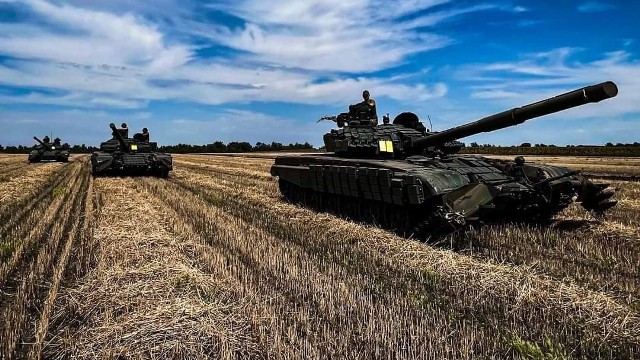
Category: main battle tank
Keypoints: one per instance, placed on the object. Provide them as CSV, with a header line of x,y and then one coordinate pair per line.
x,y
47,151
122,155
404,177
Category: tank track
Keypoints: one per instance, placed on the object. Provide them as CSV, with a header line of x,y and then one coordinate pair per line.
x,y
420,223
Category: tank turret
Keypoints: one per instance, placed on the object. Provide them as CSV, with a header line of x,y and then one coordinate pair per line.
x,y
409,179
116,134
48,152
122,155
407,136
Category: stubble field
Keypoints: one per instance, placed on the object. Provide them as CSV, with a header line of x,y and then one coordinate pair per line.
x,y
211,263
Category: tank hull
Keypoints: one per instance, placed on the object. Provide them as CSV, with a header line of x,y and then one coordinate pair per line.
x,y
131,164
424,195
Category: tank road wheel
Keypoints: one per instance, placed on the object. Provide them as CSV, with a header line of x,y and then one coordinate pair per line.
x,y
316,200
304,195
366,210
377,212
350,206
333,203
399,219
285,190
362,210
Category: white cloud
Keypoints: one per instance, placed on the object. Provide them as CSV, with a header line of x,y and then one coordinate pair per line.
x,y
349,36
72,100
501,86
102,58
595,6
91,38
240,125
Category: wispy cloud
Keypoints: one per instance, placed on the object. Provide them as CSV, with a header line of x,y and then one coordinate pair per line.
x,y
114,58
552,72
295,52
348,36
595,6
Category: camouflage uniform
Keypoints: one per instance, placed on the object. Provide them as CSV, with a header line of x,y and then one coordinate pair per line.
x,y
370,104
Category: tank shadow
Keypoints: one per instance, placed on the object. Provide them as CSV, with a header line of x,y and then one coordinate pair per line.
x,y
572,224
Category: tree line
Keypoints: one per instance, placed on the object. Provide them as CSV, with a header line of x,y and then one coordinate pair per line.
x,y
215,147
609,149
232,147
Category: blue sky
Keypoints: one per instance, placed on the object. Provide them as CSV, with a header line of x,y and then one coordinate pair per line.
x,y
251,70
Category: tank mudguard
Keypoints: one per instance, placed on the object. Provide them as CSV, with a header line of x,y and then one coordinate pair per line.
x,y
468,199
298,175
439,181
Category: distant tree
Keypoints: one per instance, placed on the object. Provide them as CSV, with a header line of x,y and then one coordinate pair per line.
x,y
474,144
525,144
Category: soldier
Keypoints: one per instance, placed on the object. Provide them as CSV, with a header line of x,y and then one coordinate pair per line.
x,y
124,130
57,141
145,134
46,139
371,106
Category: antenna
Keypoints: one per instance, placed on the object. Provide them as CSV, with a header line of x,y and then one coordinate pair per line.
x,y
430,124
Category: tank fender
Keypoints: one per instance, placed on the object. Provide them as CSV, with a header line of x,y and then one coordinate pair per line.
x,y
164,160
101,162
539,172
298,175
468,199
438,181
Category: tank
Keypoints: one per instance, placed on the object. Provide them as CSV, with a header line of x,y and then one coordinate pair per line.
x,y
122,155
403,177
47,151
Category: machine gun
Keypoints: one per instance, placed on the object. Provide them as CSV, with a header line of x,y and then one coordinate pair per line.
x,y
333,118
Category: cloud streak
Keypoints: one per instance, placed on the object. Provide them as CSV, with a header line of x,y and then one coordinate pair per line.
x,y
356,36
306,52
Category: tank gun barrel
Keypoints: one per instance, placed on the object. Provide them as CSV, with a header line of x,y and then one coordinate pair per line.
x,y
39,141
117,135
516,116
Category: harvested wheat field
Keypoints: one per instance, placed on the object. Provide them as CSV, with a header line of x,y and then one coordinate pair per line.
x,y
211,263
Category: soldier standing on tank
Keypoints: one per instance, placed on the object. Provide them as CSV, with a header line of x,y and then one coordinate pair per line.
x,y
145,135
57,141
124,130
371,107
46,139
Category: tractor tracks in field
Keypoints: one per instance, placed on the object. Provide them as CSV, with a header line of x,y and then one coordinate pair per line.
x,y
32,276
238,201
595,254
146,296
